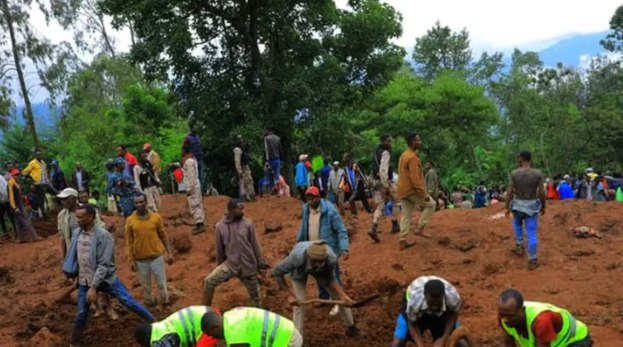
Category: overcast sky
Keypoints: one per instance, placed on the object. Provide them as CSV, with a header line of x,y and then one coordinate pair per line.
x,y
494,25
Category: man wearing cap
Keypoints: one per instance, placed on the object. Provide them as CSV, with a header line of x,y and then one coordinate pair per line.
x,y
588,187
16,200
315,258
154,159
241,161
302,176
80,178
66,219
321,221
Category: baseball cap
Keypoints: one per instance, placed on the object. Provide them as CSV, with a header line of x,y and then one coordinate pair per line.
x,y
566,177
302,157
67,192
336,163
589,170
313,191
147,146
15,172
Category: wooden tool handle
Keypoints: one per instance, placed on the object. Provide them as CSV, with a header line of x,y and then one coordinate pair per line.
x,y
323,301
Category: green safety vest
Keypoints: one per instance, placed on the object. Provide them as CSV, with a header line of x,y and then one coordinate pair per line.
x,y
572,329
256,327
186,323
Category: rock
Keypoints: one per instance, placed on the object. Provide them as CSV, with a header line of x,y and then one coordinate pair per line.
x,y
272,227
181,243
44,338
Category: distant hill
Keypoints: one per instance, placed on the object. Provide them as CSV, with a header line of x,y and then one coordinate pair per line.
x,y
570,50
45,116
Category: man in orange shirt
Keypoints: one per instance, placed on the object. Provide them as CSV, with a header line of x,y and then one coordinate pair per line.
x,y
412,191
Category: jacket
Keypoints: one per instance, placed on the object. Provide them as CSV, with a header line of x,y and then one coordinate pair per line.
x,y
297,264
302,178
58,179
272,144
37,171
332,229
194,145
102,254
410,176
238,247
85,180
16,199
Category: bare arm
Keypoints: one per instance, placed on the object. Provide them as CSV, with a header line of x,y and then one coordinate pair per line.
x,y
416,334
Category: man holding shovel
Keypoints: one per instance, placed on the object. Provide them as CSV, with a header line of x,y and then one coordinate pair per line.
x,y
317,259
430,303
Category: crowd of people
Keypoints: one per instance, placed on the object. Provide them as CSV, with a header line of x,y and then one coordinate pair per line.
x,y
133,189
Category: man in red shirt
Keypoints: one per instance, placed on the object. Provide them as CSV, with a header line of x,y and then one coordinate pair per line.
x,y
547,323
130,160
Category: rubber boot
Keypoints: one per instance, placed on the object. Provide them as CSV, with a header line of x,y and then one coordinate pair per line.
x,y
519,250
533,264
353,331
199,228
395,227
374,233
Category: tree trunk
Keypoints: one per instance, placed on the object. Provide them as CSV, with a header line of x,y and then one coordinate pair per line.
x,y
30,119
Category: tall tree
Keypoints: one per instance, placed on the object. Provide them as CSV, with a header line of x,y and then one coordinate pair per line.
x,y
26,46
441,49
257,62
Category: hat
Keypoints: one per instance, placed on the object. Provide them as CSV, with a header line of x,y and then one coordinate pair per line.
x,y
317,251
566,177
303,157
54,162
313,191
147,146
15,172
336,163
67,192
589,170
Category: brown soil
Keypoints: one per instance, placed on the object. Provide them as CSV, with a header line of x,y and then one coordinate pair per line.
x,y
469,249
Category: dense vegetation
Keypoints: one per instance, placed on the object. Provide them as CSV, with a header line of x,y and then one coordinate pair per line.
x,y
329,79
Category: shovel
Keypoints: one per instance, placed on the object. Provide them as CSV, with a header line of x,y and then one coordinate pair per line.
x,y
356,304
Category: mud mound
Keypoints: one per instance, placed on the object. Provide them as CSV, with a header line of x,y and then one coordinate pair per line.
x,y
181,243
472,249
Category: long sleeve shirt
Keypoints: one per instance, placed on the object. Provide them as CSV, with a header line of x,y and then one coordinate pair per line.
x,y
15,195
238,247
191,175
297,264
37,170
384,169
410,176
154,159
237,160
432,182
145,236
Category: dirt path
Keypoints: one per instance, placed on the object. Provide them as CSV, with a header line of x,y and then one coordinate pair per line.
x,y
469,250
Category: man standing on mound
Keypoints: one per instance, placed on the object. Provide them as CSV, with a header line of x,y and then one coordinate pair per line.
x,y
412,191
384,187
193,190
526,200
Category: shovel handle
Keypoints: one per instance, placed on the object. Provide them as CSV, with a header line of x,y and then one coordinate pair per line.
x,y
323,301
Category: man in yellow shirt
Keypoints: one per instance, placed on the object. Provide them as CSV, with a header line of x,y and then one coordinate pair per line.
x,y
412,191
38,172
147,242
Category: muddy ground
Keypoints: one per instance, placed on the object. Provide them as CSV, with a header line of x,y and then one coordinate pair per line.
x,y
470,250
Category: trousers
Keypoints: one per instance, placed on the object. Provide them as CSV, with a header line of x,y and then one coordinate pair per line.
x,y
157,268
153,198
323,293
5,211
222,274
195,203
379,199
408,206
300,289
532,223
116,290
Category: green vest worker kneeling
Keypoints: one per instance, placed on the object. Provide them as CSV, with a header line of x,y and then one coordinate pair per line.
x,y
252,327
535,324
181,329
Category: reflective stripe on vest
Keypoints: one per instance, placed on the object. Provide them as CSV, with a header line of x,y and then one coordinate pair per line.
x,y
191,336
273,333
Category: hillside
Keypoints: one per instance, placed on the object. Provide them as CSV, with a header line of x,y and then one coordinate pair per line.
x,y
470,249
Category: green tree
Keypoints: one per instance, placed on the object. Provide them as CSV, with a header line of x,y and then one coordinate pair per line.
x,y
442,49
236,63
